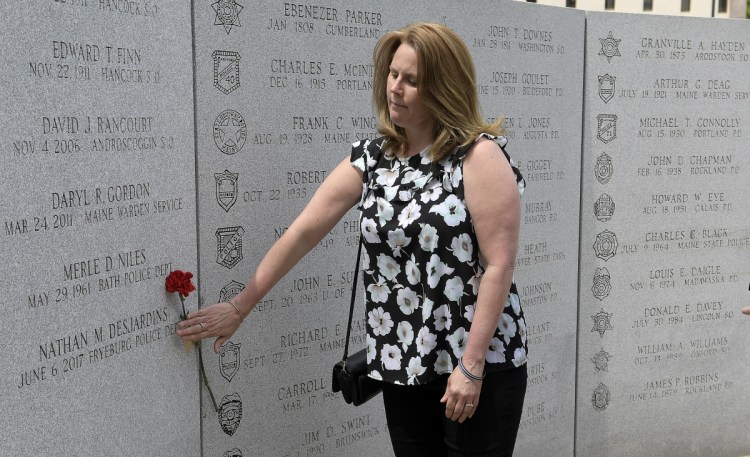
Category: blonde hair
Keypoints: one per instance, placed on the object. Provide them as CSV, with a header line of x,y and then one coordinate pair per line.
x,y
446,84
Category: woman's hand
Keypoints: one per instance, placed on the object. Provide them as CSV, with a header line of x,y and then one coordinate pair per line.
x,y
220,320
461,396
746,310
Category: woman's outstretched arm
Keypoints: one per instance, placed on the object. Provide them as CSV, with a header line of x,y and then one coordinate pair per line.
x,y
335,196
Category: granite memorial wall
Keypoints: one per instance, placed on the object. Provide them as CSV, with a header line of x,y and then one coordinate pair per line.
x,y
149,136
269,137
662,353
282,91
99,205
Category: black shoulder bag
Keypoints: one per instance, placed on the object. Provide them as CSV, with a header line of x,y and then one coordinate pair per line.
x,y
350,374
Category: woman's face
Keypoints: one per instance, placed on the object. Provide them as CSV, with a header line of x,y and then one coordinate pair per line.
x,y
404,103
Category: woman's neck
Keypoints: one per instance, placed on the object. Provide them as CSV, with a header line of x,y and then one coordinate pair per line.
x,y
416,141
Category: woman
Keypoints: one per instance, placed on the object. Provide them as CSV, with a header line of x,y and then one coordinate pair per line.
x,y
440,223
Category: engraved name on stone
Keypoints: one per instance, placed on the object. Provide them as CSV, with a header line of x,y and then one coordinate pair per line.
x,y
540,413
82,62
339,435
69,208
676,386
301,394
65,136
301,18
63,357
675,48
669,352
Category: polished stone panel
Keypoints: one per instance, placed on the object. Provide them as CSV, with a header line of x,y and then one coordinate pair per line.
x,y
662,358
529,62
98,206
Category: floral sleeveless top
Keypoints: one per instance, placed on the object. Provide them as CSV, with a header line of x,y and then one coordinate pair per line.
x,y
421,268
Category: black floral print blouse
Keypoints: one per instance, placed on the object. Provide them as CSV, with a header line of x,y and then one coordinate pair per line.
x,y
421,268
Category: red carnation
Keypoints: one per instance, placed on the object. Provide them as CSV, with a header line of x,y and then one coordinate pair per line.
x,y
180,281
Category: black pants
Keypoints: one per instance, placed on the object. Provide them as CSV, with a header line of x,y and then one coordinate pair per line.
x,y
418,426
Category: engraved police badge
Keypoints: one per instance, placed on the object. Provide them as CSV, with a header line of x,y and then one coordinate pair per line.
x,y
229,250
226,189
233,453
226,70
606,87
229,360
601,360
227,13
600,397
602,286
601,322
230,413
606,127
230,132
604,169
230,291
609,47
605,246
604,208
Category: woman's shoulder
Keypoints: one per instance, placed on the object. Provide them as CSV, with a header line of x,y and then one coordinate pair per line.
x,y
487,152
366,153
370,145
483,142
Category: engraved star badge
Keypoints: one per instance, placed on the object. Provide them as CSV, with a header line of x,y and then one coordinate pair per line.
x,y
227,13
601,322
609,47
230,132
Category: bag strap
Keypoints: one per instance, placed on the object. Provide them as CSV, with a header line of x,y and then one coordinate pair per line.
x,y
354,295
356,271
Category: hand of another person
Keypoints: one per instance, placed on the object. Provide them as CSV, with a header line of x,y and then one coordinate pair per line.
x,y
746,310
461,397
220,320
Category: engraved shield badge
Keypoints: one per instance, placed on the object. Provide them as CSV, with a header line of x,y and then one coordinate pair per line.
x,y
226,70
229,246
606,87
229,360
226,189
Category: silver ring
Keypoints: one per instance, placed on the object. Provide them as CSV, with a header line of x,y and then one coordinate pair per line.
x,y
202,327
469,405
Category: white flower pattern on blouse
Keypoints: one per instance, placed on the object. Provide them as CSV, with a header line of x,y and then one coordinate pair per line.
x,y
422,268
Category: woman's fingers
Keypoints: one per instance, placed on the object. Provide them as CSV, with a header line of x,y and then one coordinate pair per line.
x,y
469,409
219,320
195,327
461,398
219,342
460,411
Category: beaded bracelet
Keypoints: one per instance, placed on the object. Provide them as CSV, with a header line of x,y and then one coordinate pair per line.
x,y
236,308
468,373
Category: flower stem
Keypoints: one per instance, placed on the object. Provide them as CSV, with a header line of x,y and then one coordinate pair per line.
x,y
182,301
198,347
205,378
